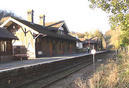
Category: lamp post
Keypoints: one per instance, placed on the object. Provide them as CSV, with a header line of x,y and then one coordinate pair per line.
x,y
93,52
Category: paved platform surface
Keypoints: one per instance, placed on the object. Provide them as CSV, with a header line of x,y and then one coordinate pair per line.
x,y
27,63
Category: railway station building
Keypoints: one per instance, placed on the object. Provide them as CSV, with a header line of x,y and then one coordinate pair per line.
x,y
39,40
91,43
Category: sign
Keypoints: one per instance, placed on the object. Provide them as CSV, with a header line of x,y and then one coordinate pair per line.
x,y
93,51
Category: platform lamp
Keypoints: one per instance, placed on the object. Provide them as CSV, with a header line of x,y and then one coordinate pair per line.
x,y
93,52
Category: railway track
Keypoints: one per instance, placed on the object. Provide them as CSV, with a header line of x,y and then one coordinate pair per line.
x,y
68,72
55,76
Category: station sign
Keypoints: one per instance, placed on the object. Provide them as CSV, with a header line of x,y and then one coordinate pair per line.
x,y
93,51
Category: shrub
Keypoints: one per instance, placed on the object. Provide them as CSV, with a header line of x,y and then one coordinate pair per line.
x,y
115,74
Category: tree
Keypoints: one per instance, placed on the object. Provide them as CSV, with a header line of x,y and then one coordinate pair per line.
x,y
113,38
104,44
80,35
90,35
98,34
86,34
4,13
119,15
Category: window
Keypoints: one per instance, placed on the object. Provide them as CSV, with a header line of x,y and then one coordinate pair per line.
x,y
61,30
3,46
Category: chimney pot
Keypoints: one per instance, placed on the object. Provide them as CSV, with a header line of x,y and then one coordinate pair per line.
x,y
30,15
42,20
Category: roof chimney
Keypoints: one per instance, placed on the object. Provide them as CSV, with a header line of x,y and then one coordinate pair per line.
x,y
42,20
30,15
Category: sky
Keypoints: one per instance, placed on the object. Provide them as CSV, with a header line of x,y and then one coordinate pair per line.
x,y
76,13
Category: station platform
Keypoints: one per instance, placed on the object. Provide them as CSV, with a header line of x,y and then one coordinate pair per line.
x,y
37,61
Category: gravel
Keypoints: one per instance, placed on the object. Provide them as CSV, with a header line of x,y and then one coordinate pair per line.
x,y
83,74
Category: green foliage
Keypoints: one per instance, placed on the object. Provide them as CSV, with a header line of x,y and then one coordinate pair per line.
x,y
111,6
113,38
86,34
104,43
99,34
80,35
124,39
90,35
119,15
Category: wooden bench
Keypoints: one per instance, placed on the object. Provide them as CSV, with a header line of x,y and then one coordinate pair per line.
x,y
21,56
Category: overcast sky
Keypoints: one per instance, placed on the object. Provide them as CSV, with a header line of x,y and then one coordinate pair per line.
x,y
76,13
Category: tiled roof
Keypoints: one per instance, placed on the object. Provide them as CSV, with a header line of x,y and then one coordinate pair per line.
x,y
5,34
89,41
54,24
57,25
47,30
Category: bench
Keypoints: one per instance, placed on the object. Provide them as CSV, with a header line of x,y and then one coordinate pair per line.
x,y
21,56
